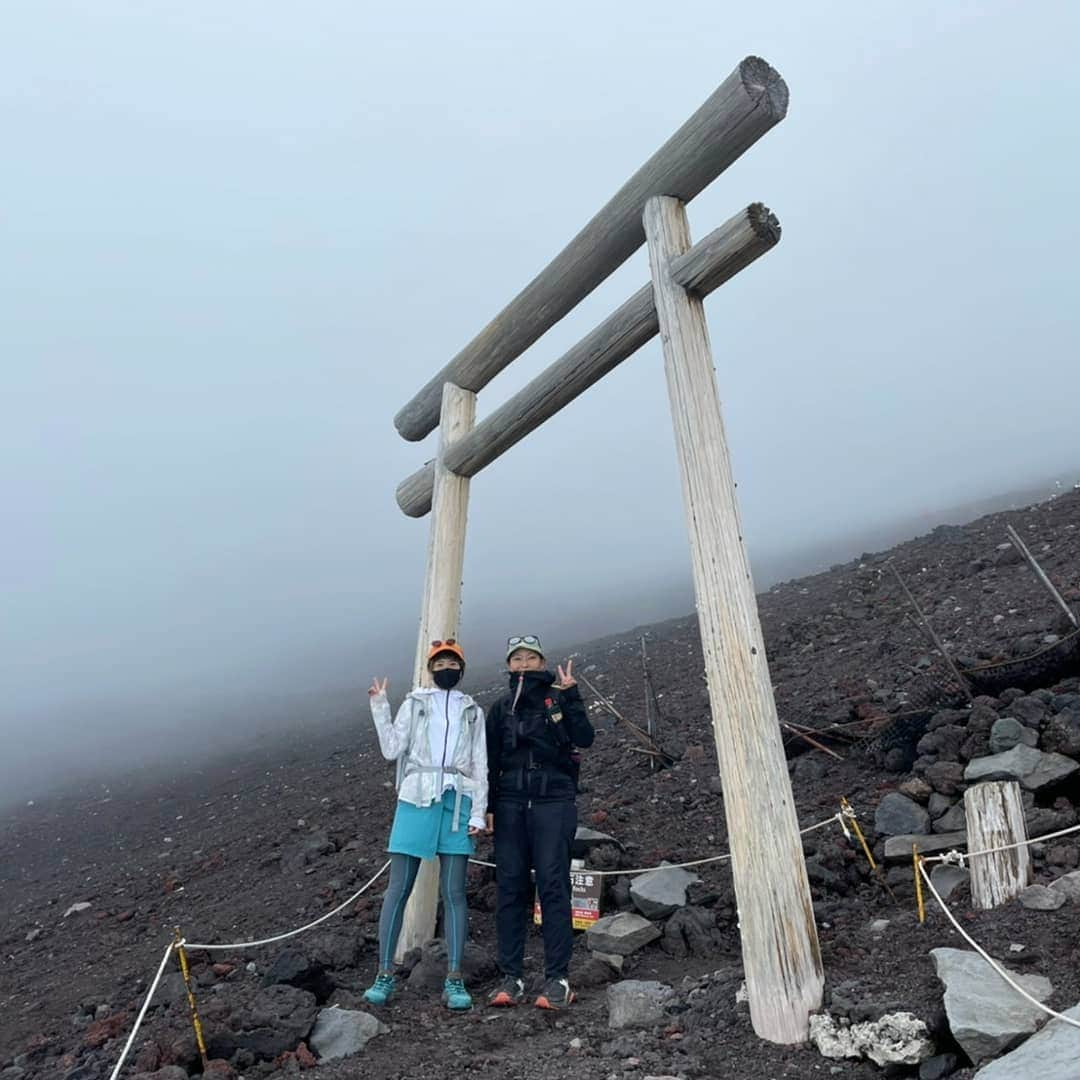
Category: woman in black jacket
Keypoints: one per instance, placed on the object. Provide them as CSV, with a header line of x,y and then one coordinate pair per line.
x,y
532,735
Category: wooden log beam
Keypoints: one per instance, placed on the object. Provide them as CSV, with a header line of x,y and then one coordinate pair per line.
x,y
781,957
751,100
440,617
994,812
704,268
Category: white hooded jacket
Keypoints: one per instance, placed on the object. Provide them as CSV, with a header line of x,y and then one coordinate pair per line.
x,y
438,741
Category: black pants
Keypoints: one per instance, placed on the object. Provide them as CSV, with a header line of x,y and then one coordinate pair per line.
x,y
534,835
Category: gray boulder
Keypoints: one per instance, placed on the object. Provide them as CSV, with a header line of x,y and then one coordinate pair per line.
x,y
1007,733
1069,884
1052,1054
898,848
341,1032
622,934
637,1003
985,1014
1040,898
897,814
1032,768
947,879
953,820
586,839
662,891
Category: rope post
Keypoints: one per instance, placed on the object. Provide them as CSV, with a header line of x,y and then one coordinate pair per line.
x,y
196,1023
916,862
849,812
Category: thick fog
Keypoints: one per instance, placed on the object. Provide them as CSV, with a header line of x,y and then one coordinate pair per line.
x,y
235,239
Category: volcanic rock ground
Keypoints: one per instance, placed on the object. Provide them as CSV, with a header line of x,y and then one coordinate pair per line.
x,y
271,840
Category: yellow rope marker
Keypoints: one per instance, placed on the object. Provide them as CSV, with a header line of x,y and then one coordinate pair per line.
x,y
849,813
916,861
196,1023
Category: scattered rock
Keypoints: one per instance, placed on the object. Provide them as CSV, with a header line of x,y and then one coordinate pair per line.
x,y
898,1038
938,1067
82,905
662,891
341,1032
294,967
1052,1054
1034,769
277,1019
898,848
1041,898
1069,884
985,1014
897,814
637,1003
623,934
947,879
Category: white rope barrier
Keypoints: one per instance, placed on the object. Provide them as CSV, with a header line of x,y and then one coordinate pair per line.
x,y
142,1011
674,866
989,959
292,933
954,855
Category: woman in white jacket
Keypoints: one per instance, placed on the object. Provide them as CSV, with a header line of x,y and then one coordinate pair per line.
x,y
438,741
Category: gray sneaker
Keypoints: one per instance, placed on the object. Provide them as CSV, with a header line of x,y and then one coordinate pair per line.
x,y
555,995
509,992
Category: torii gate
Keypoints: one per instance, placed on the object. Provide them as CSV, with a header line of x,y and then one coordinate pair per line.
x,y
781,957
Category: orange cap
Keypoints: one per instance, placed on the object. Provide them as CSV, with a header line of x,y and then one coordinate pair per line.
x,y
439,648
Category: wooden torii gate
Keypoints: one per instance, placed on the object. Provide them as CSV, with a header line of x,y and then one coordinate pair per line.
x,y
781,957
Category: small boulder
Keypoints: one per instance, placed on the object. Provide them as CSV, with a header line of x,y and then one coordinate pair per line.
x,y
1069,884
897,814
623,934
1034,769
339,1033
637,1003
1041,898
985,1014
662,891
1052,1054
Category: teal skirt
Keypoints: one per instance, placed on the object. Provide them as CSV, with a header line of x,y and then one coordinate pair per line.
x,y
427,831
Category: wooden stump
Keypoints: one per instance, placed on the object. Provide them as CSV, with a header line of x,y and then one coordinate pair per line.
x,y
995,818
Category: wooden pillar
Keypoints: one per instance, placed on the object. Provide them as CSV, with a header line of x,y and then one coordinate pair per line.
x,y
995,818
440,614
781,957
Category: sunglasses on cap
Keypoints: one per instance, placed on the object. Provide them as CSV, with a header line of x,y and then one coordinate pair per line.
x,y
530,640
448,641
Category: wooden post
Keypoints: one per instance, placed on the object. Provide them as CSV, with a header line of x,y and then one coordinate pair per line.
x,y
1040,573
781,957
995,818
440,614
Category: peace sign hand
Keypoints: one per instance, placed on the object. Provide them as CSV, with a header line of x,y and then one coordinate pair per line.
x,y
377,688
566,676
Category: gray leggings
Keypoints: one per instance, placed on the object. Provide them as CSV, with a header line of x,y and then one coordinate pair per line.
x,y
403,871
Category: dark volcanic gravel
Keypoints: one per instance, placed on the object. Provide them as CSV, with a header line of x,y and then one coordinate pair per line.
x,y
271,840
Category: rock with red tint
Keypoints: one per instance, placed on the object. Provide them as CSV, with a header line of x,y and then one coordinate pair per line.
x,y
218,1069
598,817
222,970
101,1031
305,1058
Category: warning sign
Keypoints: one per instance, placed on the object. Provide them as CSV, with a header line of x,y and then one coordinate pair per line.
x,y
584,900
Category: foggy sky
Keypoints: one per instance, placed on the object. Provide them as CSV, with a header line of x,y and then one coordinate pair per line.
x,y
235,239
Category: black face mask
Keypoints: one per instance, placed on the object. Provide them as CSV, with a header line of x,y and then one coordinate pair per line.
x,y
446,678
532,679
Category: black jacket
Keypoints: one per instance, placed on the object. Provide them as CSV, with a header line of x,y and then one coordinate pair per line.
x,y
529,746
